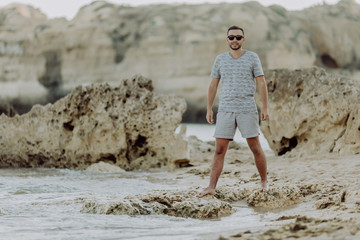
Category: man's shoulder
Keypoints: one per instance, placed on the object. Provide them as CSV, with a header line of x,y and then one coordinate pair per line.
x,y
251,53
222,55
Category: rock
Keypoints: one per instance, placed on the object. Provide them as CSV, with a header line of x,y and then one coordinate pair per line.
x,y
196,145
311,112
331,200
311,228
233,193
172,203
277,197
173,44
104,167
128,126
16,16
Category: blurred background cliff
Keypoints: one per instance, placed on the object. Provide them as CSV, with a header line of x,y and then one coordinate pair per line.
x,y
43,59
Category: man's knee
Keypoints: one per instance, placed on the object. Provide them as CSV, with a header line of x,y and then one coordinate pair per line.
x,y
254,146
221,147
256,149
220,150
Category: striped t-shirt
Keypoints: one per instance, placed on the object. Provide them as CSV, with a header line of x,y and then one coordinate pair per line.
x,y
237,81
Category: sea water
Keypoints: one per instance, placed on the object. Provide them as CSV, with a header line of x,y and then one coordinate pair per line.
x,y
46,204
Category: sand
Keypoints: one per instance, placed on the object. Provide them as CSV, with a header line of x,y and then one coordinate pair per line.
x,y
325,185
310,197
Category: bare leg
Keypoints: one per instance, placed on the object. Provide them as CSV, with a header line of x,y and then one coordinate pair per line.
x,y
217,166
260,161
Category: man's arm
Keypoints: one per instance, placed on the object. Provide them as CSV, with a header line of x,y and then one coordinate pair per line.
x,y
264,97
211,96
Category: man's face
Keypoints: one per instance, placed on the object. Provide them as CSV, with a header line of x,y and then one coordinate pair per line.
x,y
235,44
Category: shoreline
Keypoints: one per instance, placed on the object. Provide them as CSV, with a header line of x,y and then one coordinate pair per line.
x,y
328,203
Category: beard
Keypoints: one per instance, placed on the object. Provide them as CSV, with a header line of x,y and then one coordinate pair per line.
x,y
235,46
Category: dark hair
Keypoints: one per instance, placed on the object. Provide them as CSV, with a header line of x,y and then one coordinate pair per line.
x,y
235,28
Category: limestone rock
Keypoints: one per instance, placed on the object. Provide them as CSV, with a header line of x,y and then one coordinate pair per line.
x,y
172,203
173,44
128,126
277,197
311,112
19,16
335,199
310,228
233,193
104,167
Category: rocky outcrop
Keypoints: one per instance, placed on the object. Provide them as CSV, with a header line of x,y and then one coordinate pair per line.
x,y
172,203
173,44
128,126
187,204
311,112
276,198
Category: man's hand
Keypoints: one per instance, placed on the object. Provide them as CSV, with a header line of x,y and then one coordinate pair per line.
x,y
210,116
264,115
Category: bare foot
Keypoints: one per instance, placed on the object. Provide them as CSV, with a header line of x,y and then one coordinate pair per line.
x,y
206,191
264,187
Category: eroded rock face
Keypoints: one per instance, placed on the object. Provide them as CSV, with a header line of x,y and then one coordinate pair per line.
x,y
128,126
173,44
311,112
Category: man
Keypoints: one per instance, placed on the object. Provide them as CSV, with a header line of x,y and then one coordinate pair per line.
x,y
237,108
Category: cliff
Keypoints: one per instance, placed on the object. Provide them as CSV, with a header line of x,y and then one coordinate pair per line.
x,y
173,44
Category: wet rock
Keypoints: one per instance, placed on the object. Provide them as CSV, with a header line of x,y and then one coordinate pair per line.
x,y
312,112
232,193
277,197
171,203
306,228
129,126
331,200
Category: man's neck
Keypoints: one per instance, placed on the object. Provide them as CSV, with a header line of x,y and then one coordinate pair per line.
x,y
237,53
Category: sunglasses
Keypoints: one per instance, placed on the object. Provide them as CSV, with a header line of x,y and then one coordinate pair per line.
x,y
238,37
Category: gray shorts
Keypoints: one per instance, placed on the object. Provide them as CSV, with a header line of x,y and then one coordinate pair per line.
x,y
226,123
